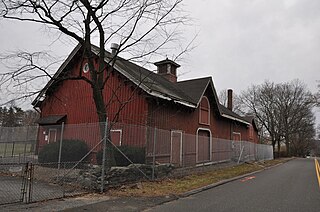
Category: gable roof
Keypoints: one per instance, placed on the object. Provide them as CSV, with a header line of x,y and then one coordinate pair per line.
x,y
188,93
195,88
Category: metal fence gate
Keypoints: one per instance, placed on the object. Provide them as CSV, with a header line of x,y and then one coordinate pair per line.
x,y
33,182
15,183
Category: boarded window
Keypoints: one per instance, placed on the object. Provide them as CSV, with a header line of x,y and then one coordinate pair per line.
x,y
204,116
236,136
116,137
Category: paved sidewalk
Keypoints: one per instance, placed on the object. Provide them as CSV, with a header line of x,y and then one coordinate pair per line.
x,y
57,204
92,202
124,204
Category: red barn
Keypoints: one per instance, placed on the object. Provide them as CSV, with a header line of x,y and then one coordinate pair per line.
x,y
147,100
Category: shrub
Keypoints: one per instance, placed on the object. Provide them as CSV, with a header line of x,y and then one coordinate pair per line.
x,y
135,154
72,150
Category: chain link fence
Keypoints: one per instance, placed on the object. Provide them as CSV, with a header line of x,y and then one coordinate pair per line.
x,y
30,179
18,144
11,182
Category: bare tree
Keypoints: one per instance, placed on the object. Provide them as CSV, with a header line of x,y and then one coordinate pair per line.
x,y
295,104
260,101
285,111
142,29
303,140
26,73
317,96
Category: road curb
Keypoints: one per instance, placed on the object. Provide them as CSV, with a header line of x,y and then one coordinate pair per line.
x,y
204,188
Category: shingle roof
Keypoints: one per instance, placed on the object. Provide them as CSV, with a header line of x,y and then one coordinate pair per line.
x,y
149,81
231,115
195,88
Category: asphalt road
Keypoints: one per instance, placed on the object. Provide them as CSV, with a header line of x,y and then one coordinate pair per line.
x,y
292,186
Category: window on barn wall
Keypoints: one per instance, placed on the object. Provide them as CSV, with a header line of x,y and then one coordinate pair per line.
x,y
204,116
251,132
116,136
236,136
52,136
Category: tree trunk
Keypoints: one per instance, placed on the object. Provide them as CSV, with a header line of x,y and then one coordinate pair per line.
x,y
287,145
102,117
273,149
279,149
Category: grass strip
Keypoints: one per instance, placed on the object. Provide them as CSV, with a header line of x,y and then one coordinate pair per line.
x,y
176,186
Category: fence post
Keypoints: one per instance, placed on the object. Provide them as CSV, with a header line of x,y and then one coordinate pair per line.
x,y
25,144
241,151
182,149
154,151
5,149
12,151
104,155
27,185
60,147
30,177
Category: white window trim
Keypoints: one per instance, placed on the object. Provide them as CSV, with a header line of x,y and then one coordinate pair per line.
x,y
180,132
118,130
55,135
236,133
210,145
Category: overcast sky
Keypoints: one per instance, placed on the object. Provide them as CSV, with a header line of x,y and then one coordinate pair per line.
x,y
240,42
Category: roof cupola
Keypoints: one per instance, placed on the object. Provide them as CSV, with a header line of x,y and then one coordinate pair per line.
x,y
168,69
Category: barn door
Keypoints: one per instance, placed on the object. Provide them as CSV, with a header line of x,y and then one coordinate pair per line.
x,y
237,145
203,146
176,148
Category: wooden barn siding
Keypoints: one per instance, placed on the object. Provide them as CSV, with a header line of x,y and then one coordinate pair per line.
x,y
169,116
134,135
176,117
255,137
221,149
41,138
74,98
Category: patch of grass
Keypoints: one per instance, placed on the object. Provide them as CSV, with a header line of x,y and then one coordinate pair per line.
x,y
10,149
176,186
